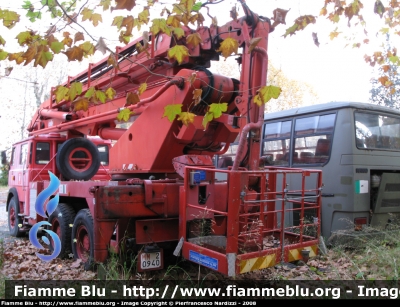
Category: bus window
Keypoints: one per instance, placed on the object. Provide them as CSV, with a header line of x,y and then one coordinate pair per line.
x,y
312,139
375,131
276,143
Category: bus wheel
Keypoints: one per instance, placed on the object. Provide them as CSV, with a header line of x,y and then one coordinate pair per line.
x,y
83,239
14,221
61,221
78,159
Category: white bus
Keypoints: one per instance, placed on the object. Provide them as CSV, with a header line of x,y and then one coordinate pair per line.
x,y
356,145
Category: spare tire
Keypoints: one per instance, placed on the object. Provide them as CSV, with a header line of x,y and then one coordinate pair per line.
x,y
78,159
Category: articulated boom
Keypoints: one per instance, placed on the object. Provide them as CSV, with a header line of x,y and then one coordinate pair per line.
x,y
153,141
163,190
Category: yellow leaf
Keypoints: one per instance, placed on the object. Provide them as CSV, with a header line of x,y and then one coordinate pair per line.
x,y
253,43
144,16
174,21
186,118
86,13
132,98
61,93
142,88
257,100
17,57
267,92
110,93
171,111
178,52
105,4
95,19
160,25
228,46
81,103
87,48
118,22
194,39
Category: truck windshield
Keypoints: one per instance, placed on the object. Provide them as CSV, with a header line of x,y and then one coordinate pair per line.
x,y
377,131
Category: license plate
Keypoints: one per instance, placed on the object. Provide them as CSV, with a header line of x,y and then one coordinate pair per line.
x,y
150,261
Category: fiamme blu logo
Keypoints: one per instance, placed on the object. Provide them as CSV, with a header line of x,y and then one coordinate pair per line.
x,y
40,210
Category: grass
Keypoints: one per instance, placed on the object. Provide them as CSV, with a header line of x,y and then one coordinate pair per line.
x,y
372,257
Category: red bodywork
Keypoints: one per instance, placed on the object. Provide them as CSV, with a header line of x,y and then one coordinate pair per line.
x,y
152,195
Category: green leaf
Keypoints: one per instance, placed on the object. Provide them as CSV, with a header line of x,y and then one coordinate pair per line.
x,y
26,5
206,119
172,110
33,16
10,18
218,108
57,47
2,41
118,22
24,37
124,115
3,55
74,90
101,96
179,33
196,7
394,59
89,93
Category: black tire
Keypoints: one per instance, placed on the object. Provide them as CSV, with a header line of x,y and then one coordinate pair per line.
x,y
83,238
14,219
78,159
61,220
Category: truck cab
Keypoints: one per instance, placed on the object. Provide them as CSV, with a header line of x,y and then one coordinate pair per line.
x,y
31,161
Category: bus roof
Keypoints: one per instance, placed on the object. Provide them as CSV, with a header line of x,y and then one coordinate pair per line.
x,y
329,106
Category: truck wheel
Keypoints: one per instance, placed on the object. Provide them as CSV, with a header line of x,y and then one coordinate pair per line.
x,y
78,159
13,219
61,220
83,239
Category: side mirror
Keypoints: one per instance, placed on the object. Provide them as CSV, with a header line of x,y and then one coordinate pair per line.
x,y
3,157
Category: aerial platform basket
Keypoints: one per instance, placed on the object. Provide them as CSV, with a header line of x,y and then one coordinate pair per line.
x,y
239,221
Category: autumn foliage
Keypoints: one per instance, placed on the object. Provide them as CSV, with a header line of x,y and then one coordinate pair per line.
x,y
68,36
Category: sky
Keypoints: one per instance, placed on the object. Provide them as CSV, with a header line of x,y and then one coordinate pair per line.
x,y
336,72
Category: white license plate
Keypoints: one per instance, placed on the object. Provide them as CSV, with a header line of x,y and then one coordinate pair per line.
x,y
150,260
